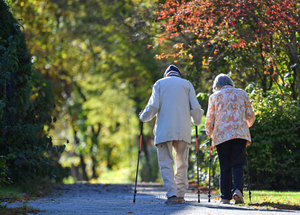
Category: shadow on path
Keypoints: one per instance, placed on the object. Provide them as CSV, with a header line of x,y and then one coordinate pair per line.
x,y
87,199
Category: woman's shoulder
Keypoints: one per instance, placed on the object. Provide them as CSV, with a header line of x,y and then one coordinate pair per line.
x,y
240,91
215,95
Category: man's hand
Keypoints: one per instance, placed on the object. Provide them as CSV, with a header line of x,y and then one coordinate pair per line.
x,y
141,113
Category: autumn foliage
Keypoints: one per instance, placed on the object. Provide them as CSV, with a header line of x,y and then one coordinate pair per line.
x,y
265,32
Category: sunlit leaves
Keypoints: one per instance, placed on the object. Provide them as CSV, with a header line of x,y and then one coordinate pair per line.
x,y
203,18
94,52
255,30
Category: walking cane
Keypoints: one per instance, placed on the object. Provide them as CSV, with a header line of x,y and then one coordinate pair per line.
x,y
197,164
248,176
209,170
137,169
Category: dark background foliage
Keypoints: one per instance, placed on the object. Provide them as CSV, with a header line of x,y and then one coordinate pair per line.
x,y
274,155
27,151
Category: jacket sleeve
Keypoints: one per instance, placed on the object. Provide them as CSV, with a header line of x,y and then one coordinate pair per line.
x,y
195,108
250,115
153,105
210,118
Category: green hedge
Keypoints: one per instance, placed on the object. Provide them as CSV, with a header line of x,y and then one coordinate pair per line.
x,y
25,103
274,156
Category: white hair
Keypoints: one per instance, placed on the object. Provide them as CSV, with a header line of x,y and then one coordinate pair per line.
x,y
220,81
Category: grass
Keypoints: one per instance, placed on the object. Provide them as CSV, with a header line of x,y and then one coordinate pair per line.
x,y
261,199
287,200
22,193
271,200
15,193
18,210
10,193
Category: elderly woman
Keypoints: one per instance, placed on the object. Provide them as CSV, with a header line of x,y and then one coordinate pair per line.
x,y
228,119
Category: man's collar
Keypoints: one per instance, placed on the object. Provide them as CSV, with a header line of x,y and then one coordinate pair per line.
x,y
169,75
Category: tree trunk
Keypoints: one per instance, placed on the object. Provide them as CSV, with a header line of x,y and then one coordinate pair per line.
x,y
293,55
94,175
75,172
297,72
83,168
82,163
94,143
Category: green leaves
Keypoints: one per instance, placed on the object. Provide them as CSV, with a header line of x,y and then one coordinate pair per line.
x,y
101,71
4,180
203,96
23,108
275,138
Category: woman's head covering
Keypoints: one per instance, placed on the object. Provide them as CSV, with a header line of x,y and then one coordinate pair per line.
x,y
222,80
172,70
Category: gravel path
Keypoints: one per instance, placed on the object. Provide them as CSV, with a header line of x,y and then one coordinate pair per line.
x,y
88,199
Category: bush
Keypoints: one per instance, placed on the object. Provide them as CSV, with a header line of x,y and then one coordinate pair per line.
x,y
3,172
274,156
25,104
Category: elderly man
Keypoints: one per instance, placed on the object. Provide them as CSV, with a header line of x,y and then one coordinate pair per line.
x,y
174,103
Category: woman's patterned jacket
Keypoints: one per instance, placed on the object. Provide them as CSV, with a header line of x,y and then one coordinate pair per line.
x,y
229,115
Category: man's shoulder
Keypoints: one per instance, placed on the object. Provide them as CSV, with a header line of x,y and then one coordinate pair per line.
x,y
173,79
160,80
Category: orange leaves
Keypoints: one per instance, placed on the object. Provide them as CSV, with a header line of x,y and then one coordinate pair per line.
x,y
241,43
161,15
216,51
235,24
175,54
179,46
149,46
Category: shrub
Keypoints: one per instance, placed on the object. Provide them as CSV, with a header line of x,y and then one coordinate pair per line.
x,y
3,171
274,155
25,104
